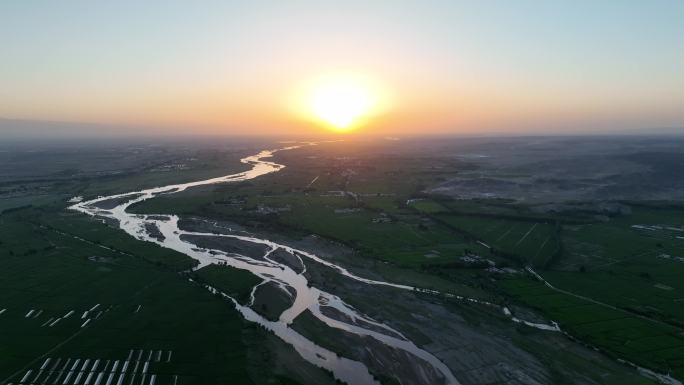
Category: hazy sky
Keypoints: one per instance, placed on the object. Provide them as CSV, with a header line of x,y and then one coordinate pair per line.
x,y
447,66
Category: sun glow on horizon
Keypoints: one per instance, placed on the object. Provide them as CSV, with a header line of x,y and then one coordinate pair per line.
x,y
341,102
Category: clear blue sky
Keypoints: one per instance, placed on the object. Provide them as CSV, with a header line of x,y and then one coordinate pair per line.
x,y
451,66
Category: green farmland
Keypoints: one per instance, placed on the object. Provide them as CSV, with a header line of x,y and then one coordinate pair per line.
x,y
620,333
132,295
533,242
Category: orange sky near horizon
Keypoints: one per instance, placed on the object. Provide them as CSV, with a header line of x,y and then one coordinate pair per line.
x,y
238,68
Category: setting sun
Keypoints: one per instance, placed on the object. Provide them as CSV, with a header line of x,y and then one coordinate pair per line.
x,y
342,102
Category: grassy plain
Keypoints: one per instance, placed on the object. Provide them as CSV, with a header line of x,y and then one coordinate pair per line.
x,y
57,262
376,206
144,303
619,285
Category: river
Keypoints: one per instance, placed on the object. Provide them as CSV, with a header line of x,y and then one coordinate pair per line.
x,y
304,295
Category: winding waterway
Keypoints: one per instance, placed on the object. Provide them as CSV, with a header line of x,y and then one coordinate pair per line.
x,y
164,230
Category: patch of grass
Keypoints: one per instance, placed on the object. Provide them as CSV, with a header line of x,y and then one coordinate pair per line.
x,y
234,282
143,305
428,206
532,242
646,343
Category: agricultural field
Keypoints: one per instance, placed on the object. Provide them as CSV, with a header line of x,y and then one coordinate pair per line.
x,y
74,288
361,209
532,243
385,222
618,332
79,299
616,280
82,292
71,297
619,285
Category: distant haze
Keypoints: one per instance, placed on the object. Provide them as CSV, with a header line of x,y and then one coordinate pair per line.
x,y
451,67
